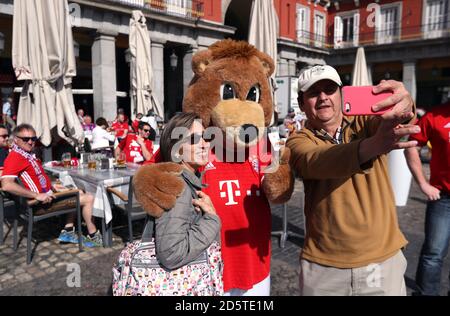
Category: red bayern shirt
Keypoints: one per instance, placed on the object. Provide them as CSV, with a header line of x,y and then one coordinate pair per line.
x,y
435,127
133,150
236,193
17,165
120,128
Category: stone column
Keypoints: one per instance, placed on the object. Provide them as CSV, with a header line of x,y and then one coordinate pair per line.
x,y
291,67
104,75
283,67
187,68
158,70
409,77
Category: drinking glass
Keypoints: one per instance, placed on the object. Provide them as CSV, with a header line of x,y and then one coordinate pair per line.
x,y
66,159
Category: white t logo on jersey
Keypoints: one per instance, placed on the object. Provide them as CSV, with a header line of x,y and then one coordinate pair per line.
x,y
229,191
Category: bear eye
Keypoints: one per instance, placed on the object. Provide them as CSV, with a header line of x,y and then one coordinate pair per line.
x,y
227,92
253,94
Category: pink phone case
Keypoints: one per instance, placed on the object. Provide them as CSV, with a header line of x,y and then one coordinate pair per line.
x,y
359,100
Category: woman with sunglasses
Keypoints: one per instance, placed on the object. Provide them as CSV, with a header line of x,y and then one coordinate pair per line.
x,y
192,226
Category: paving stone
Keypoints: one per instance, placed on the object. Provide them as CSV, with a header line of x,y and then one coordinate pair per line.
x,y
73,250
84,255
44,252
50,270
6,277
44,264
24,277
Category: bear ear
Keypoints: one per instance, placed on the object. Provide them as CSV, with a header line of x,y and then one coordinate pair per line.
x,y
267,63
200,61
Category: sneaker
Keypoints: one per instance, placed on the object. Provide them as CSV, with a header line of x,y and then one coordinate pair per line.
x,y
68,236
96,241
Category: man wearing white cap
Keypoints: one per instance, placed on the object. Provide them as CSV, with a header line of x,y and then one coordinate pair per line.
x,y
353,242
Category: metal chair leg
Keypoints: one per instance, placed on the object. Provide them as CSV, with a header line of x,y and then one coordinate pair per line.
x,y
29,237
80,235
130,227
284,233
15,234
2,206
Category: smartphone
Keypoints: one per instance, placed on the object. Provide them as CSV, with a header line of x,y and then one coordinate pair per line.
x,y
359,100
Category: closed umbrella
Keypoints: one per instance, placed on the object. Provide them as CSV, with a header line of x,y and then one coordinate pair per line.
x,y
361,75
141,73
398,169
43,56
263,33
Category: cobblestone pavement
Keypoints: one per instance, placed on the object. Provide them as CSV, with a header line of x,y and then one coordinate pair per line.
x,y
49,271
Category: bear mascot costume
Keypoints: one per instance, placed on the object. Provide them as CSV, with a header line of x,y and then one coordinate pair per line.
x,y
231,92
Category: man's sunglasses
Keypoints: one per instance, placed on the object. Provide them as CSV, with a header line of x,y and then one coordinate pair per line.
x,y
27,139
4,136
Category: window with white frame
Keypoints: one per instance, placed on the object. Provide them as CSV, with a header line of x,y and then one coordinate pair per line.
x,y
319,29
388,29
346,30
177,6
436,17
302,25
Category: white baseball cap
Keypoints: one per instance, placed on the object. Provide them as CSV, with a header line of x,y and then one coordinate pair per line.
x,y
314,74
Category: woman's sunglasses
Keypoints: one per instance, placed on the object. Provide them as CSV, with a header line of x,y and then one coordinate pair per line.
x,y
27,139
194,139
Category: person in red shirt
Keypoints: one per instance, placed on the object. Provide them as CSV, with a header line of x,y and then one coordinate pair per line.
x,y
22,163
137,147
435,128
135,124
121,127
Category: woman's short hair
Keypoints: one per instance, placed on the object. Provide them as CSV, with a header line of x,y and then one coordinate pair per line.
x,y
167,142
101,121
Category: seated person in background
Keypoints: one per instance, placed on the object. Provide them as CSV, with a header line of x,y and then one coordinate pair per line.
x,y
88,125
135,124
137,147
151,119
80,114
121,127
4,149
22,163
100,136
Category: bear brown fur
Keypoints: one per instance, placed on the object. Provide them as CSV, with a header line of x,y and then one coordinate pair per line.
x,y
242,67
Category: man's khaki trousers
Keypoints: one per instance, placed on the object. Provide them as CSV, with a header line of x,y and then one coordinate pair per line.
x,y
381,279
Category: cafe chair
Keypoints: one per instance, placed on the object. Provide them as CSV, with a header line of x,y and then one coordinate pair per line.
x,y
132,209
5,202
32,211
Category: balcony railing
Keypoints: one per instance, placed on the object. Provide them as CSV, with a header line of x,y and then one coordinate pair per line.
x,y
188,9
379,37
312,39
399,34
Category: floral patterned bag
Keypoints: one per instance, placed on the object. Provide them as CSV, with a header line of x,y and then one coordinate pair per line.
x,y
138,272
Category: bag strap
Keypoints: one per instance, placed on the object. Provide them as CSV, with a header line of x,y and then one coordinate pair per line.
x,y
149,229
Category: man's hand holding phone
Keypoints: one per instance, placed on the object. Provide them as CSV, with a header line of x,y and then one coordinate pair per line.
x,y
401,102
391,130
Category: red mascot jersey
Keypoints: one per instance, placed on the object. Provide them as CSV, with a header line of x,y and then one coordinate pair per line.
x,y
236,192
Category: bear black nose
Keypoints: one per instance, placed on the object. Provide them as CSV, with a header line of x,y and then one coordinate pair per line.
x,y
248,133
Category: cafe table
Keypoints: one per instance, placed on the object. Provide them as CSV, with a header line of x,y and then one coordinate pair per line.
x,y
96,183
